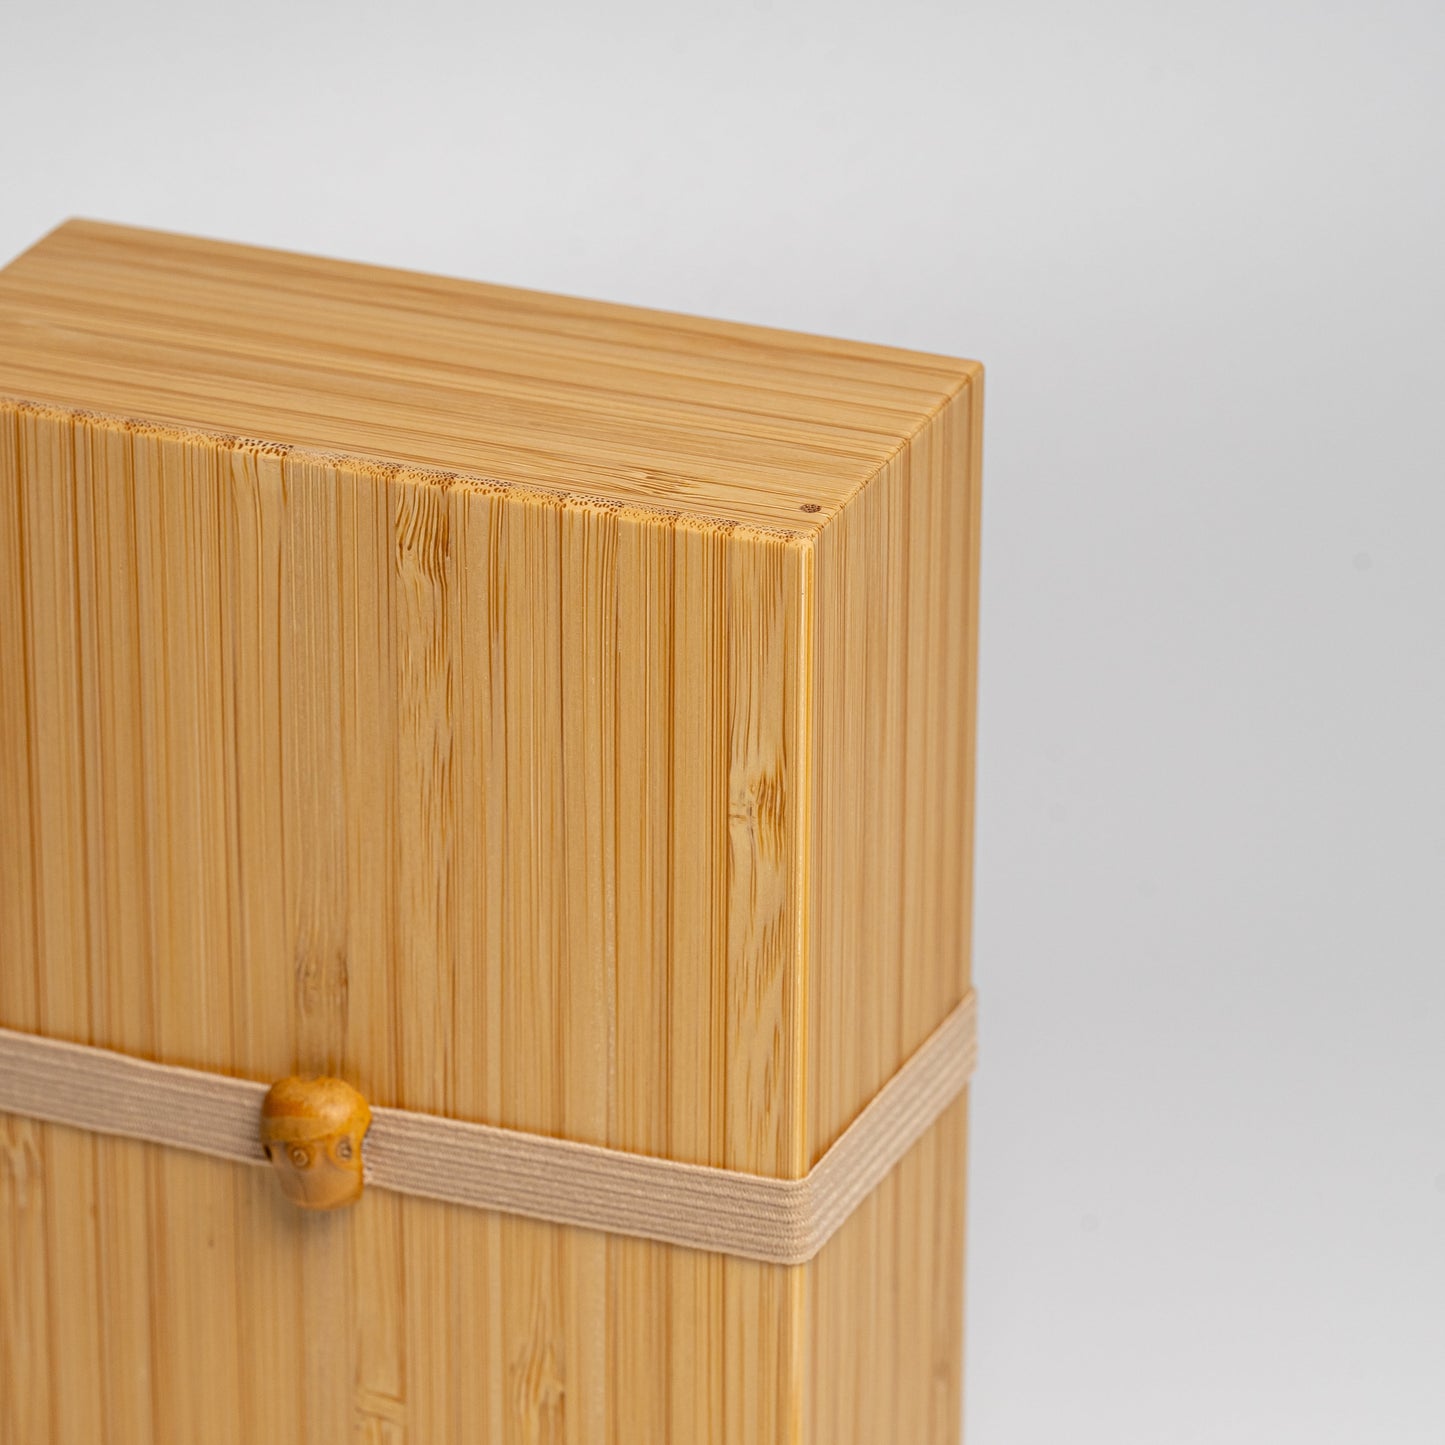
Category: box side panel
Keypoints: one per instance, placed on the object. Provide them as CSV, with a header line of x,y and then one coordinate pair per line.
x,y
24,1306
896,577
489,805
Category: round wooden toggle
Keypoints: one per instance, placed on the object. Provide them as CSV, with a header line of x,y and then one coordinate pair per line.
x,y
312,1130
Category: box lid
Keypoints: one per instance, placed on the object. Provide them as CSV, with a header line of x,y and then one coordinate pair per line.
x,y
708,418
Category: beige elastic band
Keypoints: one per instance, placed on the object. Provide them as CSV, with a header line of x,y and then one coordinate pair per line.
x,y
784,1221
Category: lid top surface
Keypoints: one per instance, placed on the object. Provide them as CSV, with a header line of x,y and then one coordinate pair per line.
x,y
713,420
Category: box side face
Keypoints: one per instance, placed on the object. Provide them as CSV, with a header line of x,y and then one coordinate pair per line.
x,y
490,805
894,679
759,426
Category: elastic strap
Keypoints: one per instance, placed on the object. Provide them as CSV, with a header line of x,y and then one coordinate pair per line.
x,y
783,1221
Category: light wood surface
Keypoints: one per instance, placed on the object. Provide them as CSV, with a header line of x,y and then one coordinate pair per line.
x,y
580,398
498,731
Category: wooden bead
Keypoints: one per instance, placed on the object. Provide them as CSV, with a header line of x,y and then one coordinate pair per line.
x,y
312,1130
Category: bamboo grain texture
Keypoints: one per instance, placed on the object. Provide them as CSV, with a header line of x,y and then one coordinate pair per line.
x,y
533,711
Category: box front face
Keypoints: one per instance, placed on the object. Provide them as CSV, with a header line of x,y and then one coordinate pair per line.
x,y
491,805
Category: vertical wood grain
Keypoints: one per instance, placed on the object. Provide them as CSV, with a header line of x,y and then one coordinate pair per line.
x,y
699,885
116,878
888,956
269,1301
58,740
25,1370
564,816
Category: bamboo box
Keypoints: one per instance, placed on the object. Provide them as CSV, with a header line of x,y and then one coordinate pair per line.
x,y
534,712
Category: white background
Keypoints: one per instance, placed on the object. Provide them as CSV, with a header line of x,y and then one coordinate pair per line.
x,y
1200,248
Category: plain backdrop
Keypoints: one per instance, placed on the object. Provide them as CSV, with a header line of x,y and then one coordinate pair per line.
x,y
1200,248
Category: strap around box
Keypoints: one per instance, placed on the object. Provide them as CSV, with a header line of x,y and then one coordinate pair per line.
x,y
783,1221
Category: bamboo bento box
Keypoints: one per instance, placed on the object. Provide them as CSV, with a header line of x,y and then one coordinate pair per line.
x,y
538,714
